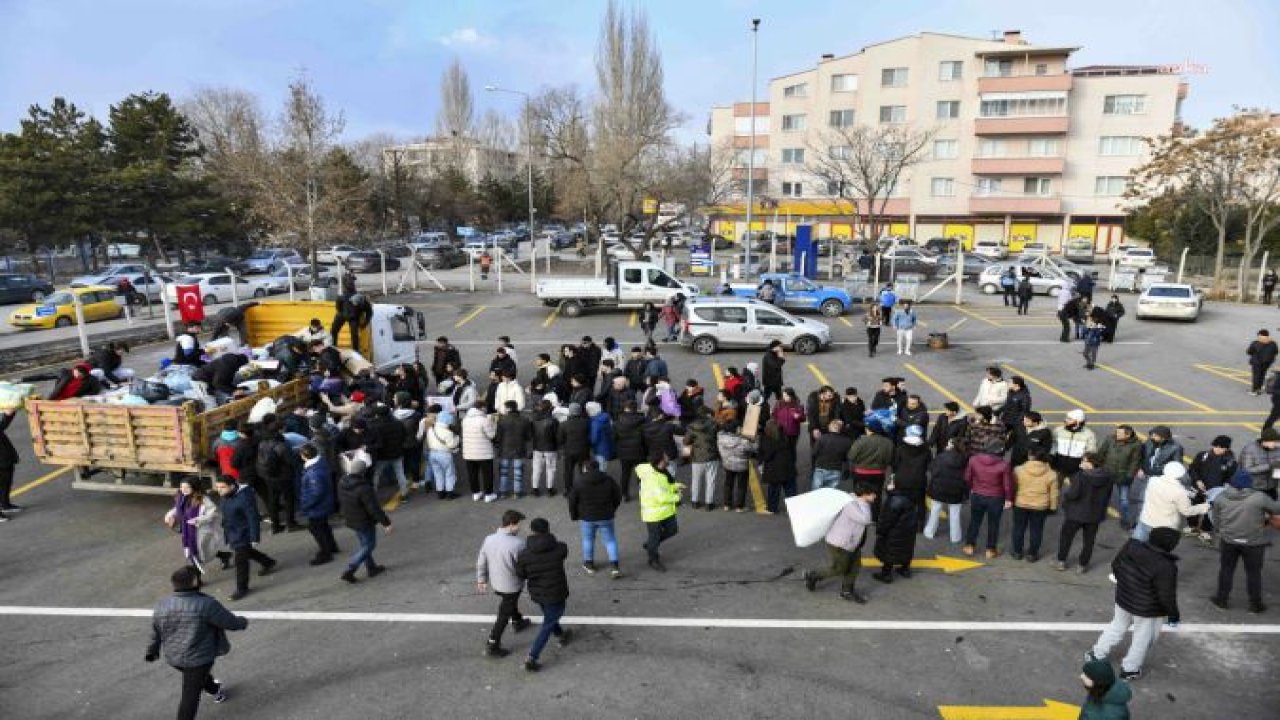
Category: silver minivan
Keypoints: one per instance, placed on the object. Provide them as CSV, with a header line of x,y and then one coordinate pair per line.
x,y
711,323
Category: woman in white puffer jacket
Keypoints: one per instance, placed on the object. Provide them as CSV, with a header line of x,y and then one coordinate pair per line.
x,y
478,431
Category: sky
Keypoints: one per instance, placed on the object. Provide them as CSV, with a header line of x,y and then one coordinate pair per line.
x,y
380,61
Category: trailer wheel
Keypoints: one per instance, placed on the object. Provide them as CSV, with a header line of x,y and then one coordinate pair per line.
x,y
570,308
805,345
832,308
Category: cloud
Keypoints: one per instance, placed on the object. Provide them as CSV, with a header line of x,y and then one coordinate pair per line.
x,y
466,37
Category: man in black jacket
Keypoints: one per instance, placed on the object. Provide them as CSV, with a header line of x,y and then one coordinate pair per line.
x,y
635,369
355,311
771,370
660,437
359,506
828,456
241,528
445,358
190,628
541,566
1262,354
386,446
546,446
590,353
574,438
593,501
512,440
220,374
628,443
1146,576
1084,507
277,467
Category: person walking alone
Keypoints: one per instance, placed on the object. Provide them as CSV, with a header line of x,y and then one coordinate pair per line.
x,y
240,526
1262,354
844,541
874,320
904,327
1268,285
648,321
1025,291
362,513
541,566
1094,332
189,629
1146,574
496,570
317,502
593,502
659,497
1009,284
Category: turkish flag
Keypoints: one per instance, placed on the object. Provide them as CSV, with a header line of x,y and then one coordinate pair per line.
x,y
190,305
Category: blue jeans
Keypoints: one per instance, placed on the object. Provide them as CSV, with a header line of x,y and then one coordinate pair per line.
x,y
551,615
823,477
368,538
605,527
443,470
602,461
397,468
510,469
990,507
1141,531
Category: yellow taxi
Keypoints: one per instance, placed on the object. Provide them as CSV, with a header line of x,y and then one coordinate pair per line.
x,y
58,309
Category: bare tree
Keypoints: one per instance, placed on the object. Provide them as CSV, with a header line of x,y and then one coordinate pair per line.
x,y
456,116
232,128
1260,191
494,131
861,166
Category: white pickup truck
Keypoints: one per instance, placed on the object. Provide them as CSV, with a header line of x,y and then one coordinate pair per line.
x,y
627,285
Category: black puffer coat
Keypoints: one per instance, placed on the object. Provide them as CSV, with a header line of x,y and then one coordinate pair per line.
x,y
946,482
911,469
1086,497
1146,580
545,431
777,460
660,435
595,496
896,530
628,436
541,566
574,436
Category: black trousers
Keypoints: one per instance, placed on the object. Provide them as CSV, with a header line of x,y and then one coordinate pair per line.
x,y
569,466
1229,555
735,488
338,321
624,475
508,612
6,485
873,340
1266,295
194,681
1259,375
1275,412
281,496
413,464
480,476
242,557
323,534
660,532
1023,304
1011,295
1066,326
1068,535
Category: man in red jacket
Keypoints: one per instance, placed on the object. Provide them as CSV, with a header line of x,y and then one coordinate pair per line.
x,y
990,483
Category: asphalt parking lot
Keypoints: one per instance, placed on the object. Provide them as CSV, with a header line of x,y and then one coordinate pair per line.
x,y
729,630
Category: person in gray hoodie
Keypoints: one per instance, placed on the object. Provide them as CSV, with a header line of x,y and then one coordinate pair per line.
x,y
1239,513
844,543
496,569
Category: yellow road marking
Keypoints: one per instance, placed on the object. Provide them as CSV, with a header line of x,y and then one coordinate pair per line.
x,y
633,319
1232,371
1050,710
470,316
937,386
1215,371
392,504
1112,512
1156,388
40,481
718,374
945,563
845,320
753,482
1256,427
975,316
819,375
551,317
1045,386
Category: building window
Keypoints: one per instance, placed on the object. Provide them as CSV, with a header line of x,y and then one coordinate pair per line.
x,y
840,119
948,109
998,68
1040,186
793,156
792,189
759,187
1124,105
744,157
1042,147
1120,145
991,148
792,123
1010,105
893,113
836,188
742,125
987,186
1110,185
798,90
1042,68
950,70
840,152
893,77
942,187
945,149
844,83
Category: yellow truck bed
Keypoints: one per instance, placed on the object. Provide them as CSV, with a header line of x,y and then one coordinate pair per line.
x,y
161,439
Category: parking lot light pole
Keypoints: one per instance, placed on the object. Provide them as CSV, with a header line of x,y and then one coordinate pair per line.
x,y
751,143
528,122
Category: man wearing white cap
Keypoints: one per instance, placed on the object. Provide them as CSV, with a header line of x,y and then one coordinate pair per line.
x,y
1070,442
1167,501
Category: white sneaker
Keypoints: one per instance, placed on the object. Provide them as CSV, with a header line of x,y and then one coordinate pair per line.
x,y
475,497
490,498
908,352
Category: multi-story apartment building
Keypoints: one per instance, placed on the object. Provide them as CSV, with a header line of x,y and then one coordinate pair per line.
x,y
1024,148
433,155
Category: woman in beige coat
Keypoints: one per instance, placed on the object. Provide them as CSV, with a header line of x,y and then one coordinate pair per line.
x,y
1035,498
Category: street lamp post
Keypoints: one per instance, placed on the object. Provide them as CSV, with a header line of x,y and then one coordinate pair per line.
x,y
751,142
528,108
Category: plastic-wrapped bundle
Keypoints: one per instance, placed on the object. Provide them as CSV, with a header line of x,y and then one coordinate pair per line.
x,y
12,395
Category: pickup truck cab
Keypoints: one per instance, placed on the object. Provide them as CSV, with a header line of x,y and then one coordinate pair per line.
x,y
795,292
627,284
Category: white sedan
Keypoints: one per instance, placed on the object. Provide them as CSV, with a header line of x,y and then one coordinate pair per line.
x,y
1170,301
216,288
331,256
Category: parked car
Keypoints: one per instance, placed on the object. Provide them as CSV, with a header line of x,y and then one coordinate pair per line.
x,y
148,286
440,256
1138,257
1035,249
16,288
991,249
711,323
941,245
265,260
1078,248
973,265
215,263
1046,279
367,261
216,288
1117,251
1172,301
434,237
108,275
278,280
796,292
98,302
331,256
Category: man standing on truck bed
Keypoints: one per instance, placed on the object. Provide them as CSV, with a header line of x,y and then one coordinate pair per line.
x,y
240,524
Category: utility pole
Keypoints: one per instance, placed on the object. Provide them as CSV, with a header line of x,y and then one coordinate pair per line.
x,y
751,142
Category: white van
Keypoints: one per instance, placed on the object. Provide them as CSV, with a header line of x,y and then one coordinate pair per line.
x,y
711,323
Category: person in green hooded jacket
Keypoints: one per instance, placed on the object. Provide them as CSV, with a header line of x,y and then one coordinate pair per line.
x,y
1108,696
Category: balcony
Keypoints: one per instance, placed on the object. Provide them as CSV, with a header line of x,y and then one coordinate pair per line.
x,y
1023,83
1015,204
1032,125
743,142
1018,165
740,173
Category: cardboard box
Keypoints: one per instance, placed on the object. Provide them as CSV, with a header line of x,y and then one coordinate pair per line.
x,y
751,421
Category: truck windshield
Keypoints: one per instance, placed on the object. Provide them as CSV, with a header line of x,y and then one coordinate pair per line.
x,y
802,285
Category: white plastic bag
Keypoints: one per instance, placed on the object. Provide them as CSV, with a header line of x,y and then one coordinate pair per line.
x,y
264,407
813,513
13,394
